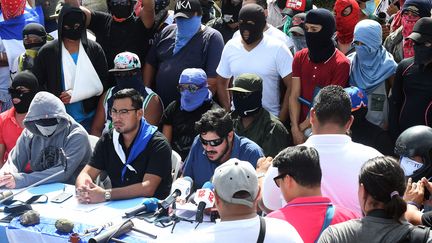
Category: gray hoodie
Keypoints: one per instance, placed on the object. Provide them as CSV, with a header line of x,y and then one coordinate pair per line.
x,y
44,153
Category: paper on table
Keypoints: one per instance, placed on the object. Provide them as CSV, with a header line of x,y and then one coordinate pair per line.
x,y
73,204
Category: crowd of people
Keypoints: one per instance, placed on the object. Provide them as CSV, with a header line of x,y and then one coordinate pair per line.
x,y
318,120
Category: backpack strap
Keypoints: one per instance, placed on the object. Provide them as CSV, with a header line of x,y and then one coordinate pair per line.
x,y
327,219
261,235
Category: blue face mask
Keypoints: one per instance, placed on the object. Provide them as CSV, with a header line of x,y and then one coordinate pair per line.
x,y
364,52
370,8
186,29
190,101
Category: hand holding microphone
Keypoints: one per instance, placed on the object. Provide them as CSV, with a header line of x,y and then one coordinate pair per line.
x,y
204,197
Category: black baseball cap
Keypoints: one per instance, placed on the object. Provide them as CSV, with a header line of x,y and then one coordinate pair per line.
x,y
422,30
187,8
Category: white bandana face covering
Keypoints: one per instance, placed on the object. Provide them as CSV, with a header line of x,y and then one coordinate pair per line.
x,y
47,130
409,166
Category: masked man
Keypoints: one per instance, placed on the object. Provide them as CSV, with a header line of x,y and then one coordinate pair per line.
x,y
72,67
347,13
23,89
52,141
187,44
411,97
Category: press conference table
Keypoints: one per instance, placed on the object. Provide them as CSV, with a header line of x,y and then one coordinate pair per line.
x,y
85,216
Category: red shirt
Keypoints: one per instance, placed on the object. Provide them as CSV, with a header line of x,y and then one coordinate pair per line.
x,y
10,130
333,71
307,215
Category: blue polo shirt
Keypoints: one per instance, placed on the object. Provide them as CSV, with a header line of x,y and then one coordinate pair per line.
x,y
201,169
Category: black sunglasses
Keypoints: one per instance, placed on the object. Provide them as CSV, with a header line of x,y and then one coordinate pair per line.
x,y
213,143
276,179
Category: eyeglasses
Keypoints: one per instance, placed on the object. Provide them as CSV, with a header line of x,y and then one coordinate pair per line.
x,y
189,87
276,179
121,112
213,143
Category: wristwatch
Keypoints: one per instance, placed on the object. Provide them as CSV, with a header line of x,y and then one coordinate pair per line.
x,y
107,194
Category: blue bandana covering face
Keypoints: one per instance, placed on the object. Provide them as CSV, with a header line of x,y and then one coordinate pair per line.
x,y
191,100
186,29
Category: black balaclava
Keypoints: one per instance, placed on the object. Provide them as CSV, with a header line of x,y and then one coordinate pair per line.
x,y
70,19
121,9
28,80
320,44
247,105
255,13
35,29
230,11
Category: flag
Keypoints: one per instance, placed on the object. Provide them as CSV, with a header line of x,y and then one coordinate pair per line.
x,y
11,31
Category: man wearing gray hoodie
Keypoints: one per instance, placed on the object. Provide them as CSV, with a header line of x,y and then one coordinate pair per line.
x,y
50,141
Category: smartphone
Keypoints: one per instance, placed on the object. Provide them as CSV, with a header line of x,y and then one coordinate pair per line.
x,y
61,197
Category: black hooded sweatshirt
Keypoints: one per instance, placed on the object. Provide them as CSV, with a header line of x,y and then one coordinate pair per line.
x,y
47,67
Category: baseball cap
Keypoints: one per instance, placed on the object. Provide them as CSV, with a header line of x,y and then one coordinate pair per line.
x,y
187,8
422,30
297,23
193,76
294,7
236,176
126,61
247,82
358,98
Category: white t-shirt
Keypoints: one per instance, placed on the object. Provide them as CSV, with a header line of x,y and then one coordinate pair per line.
x,y
246,230
270,59
275,33
340,160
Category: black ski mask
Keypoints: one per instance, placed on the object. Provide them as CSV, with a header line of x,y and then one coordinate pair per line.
x,y
247,104
34,29
255,14
230,11
422,54
28,80
121,9
75,25
320,44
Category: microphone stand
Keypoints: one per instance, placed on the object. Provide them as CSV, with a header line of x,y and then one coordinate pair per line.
x,y
173,218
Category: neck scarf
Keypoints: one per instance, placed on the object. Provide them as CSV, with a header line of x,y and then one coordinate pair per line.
x,y
408,23
371,64
145,133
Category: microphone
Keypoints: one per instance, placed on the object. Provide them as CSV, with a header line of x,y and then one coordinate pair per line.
x,y
204,197
148,205
180,188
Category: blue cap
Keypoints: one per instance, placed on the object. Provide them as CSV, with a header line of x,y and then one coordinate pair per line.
x,y
358,98
193,76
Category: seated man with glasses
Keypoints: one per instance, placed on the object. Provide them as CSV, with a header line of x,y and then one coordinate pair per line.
x,y
299,180
180,116
136,157
215,144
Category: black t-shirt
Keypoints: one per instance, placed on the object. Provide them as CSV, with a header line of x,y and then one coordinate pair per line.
x,y
115,37
411,98
155,159
183,125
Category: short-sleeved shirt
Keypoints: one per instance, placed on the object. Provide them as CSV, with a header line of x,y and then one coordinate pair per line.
x,y
154,159
307,215
183,124
270,59
115,37
202,51
333,71
10,130
201,169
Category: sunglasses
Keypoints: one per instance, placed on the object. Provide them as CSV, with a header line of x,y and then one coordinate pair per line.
x,y
276,179
213,143
189,87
